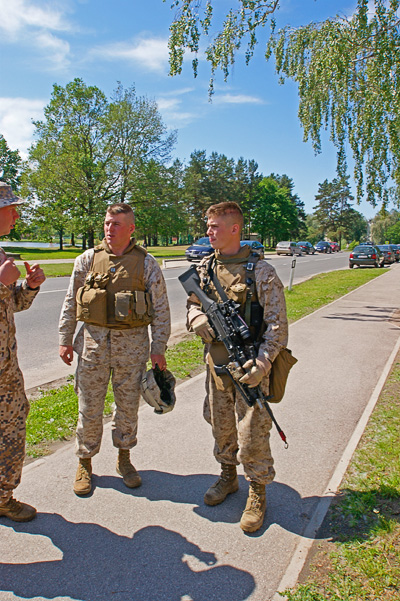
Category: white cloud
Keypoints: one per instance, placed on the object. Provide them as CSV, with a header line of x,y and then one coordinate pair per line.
x,y
18,15
57,50
149,53
34,26
236,99
16,115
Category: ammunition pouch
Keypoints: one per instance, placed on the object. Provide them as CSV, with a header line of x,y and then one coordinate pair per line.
x,y
91,299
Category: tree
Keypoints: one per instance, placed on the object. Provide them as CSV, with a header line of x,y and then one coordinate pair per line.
x,y
275,216
333,206
90,152
384,226
346,70
10,164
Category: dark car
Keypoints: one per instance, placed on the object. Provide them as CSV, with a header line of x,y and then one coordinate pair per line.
x,y
323,247
199,249
288,248
254,245
306,247
395,248
366,255
334,247
388,253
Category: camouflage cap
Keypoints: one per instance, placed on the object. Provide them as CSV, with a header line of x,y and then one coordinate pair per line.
x,y
7,196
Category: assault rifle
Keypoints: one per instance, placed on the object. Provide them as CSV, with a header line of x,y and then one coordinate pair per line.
x,y
230,329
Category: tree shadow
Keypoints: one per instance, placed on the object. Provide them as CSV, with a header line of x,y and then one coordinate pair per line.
x,y
100,565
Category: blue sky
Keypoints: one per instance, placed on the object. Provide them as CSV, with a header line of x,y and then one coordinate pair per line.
x,y
106,41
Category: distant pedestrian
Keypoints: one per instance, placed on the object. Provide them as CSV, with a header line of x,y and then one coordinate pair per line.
x,y
14,405
117,289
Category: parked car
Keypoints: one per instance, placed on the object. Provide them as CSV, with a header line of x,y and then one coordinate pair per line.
x,y
323,247
334,246
288,248
366,255
388,253
306,248
199,249
254,245
396,250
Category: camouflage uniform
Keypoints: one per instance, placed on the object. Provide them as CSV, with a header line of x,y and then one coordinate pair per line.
x,y
241,433
14,405
105,351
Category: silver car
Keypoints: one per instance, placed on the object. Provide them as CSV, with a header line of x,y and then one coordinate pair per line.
x,y
288,248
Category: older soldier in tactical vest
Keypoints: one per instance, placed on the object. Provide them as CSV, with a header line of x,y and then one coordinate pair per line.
x,y
241,433
14,405
117,290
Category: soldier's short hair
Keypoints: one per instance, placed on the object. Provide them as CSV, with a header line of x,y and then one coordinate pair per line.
x,y
226,208
121,207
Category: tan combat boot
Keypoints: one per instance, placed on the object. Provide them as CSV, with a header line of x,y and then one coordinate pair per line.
x,y
227,483
253,515
16,511
125,469
83,478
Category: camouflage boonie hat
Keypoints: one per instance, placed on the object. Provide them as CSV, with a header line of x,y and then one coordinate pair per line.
x,y
7,196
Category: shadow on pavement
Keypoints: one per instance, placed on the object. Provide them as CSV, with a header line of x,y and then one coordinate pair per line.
x,y
156,564
285,506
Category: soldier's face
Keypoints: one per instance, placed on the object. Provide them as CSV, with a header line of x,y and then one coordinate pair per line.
x,y
118,229
8,217
222,231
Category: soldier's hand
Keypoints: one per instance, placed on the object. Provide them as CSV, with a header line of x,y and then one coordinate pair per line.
x,y
66,353
34,275
257,372
202,328
9,272
158,360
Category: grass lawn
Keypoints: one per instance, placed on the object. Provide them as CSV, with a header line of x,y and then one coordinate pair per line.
x,y
359,556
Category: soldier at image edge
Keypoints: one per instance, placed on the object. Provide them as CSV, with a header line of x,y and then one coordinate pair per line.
x,y
117,289
241,433
14,406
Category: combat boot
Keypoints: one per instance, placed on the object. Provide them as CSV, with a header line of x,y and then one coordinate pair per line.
x,y
227,483
83,478
16,511
253,515
125,469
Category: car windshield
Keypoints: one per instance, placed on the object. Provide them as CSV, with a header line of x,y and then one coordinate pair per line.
x,y
283,243
363,249
203,242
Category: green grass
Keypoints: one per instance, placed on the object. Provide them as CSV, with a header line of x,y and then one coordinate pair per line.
x,y
323,289
360,559
38,254
53,416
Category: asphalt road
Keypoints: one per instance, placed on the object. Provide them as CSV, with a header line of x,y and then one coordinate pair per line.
x,y
37,328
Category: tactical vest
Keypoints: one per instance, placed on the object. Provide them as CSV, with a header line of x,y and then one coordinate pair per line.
x,y
114,294
237,277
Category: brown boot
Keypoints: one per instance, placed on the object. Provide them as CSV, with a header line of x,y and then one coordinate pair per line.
x,y
227,483
83,478
125,469
253,515
16,511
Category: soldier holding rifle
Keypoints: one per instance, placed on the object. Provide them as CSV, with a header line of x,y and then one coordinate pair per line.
x,y
241,432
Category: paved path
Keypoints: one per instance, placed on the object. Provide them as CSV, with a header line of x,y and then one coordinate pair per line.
x,y
160,542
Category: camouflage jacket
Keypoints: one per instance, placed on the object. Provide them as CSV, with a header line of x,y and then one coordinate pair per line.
x,y
155,285
14,298
270,295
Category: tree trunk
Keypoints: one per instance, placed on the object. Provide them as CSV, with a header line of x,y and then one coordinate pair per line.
x,y
72,239
60,233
